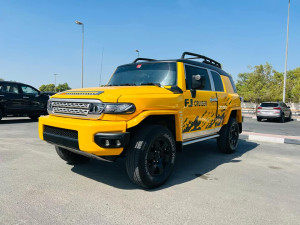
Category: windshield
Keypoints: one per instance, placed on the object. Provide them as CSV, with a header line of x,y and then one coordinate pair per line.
x,y
162,74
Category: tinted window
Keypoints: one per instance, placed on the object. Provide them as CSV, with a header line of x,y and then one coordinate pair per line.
x,y
29,90
145,73
11,88
217,81
268,104
192,70
1,88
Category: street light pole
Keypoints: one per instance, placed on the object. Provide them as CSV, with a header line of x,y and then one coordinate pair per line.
x,y
55,81
80,23
286,53
138,52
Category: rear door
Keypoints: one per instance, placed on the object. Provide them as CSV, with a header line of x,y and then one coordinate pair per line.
x,y
221,96
199,113
11,99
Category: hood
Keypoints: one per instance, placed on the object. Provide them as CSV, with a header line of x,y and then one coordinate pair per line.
x,y
111,94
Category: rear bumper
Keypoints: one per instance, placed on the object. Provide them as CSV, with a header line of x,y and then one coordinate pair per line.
x,y
264,116
86,131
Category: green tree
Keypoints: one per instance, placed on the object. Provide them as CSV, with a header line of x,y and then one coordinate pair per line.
x,y
63,87
266,84
255,86
47,87
1,79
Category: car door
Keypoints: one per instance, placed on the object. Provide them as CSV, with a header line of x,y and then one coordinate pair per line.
x,y
31,99
285,109
199,112
221,96
11,99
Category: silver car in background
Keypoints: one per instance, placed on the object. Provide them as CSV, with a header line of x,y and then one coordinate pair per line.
x,y
274,110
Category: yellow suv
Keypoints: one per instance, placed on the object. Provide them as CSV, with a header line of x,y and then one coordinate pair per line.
x,y
147,112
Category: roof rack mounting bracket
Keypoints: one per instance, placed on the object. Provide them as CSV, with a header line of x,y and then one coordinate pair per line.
x,y
205,59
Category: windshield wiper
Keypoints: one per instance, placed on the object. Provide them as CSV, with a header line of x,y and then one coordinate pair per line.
x,y
156,84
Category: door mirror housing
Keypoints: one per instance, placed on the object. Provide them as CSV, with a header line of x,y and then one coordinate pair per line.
x,y
198,82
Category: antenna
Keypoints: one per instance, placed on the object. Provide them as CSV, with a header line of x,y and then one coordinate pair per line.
x,y
101,66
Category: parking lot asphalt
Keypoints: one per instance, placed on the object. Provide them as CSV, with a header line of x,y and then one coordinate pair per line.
x,y
259,184
289,128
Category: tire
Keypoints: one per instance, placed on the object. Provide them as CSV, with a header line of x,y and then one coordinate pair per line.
x,y
151,156
229,137
71,157
258,119
34,117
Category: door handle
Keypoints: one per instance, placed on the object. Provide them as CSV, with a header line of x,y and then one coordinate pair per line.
x,y
25,97
213,100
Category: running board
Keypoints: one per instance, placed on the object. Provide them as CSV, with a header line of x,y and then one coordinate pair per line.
x,y
200,139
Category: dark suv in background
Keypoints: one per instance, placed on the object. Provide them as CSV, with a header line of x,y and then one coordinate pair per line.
x,y
274,110
19,99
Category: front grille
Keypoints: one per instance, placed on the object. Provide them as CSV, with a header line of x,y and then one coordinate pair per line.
x,y
88,108
82,112
75,108
61,132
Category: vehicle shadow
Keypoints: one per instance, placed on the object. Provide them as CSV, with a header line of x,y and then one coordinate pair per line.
x,y
17,120
195,161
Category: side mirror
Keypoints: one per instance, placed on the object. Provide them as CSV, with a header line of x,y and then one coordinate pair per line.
x,y
198,82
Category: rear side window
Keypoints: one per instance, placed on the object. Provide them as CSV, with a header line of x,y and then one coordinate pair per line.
x,y
11,88
217,81
268,104
192,70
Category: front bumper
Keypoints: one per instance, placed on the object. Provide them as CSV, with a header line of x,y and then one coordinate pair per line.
x,y
85,131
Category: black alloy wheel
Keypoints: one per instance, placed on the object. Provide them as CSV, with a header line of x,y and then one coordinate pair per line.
x,y
151,156
159,156
234,135
229,137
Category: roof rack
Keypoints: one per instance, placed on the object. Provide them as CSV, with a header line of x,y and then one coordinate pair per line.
x,y
144,59
205,59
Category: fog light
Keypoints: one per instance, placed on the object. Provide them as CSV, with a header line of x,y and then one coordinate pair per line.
x,y
118,143
107,143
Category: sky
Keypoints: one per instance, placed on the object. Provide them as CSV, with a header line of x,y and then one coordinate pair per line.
x,y
40,38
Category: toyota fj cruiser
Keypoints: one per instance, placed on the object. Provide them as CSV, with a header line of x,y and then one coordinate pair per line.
x,y
147,112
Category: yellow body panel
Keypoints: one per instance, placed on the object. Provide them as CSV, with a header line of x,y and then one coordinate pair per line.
x,y
86,131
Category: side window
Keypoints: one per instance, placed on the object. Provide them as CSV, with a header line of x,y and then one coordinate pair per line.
x,y
1,88
192,70
11,88
217,81
29,90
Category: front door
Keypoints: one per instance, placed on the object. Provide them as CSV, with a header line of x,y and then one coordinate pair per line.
x,y
199,113
31,101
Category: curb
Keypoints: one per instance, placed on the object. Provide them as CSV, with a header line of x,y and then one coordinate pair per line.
x,y
295,140
254,117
